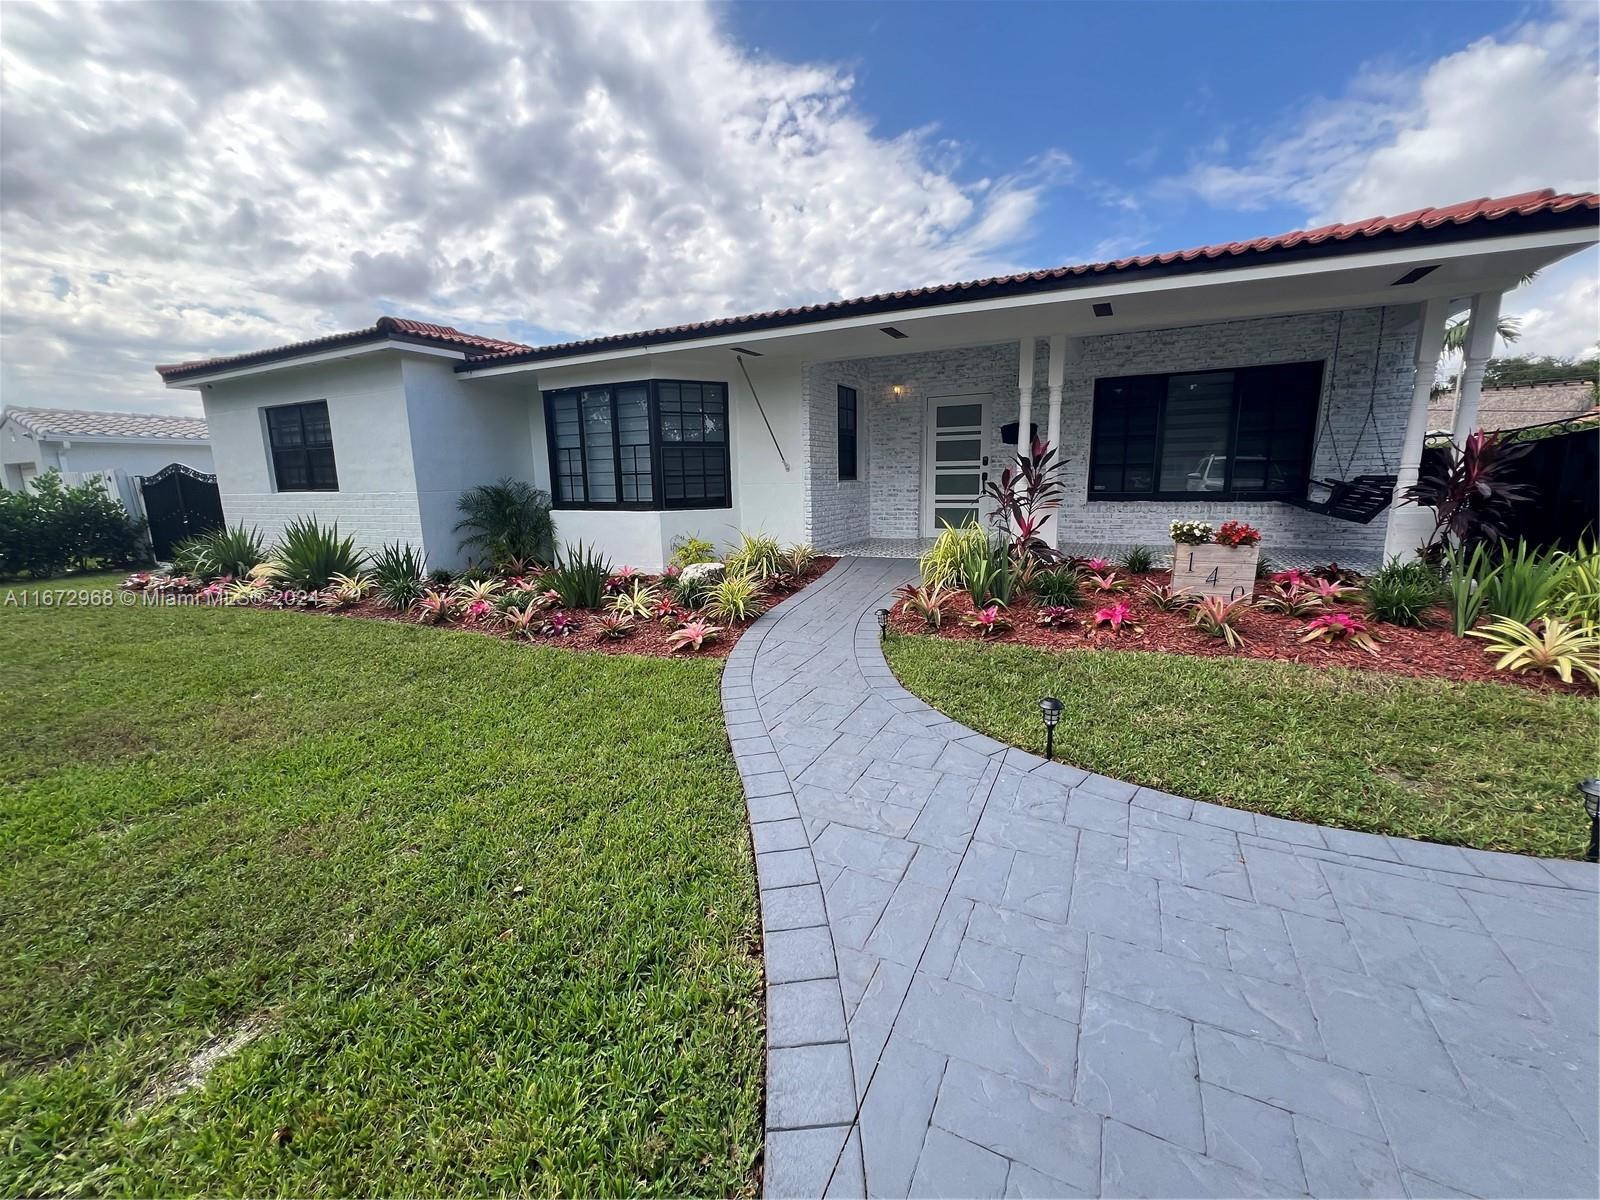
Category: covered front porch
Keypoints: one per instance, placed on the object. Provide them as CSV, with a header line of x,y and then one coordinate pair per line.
x,y
1235,419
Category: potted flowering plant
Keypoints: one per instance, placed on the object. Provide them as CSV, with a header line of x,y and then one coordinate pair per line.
x,y
1217,562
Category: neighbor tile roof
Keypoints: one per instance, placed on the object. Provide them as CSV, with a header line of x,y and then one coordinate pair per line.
x,y
385,328
1484,217
72,422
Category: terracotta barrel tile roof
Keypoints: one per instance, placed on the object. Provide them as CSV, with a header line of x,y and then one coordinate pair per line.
x,y
72,422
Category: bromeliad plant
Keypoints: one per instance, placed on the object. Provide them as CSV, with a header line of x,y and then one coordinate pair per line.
x,y
1291,599
481,591
560,624
1556,647
1165,598
989,621
435,607
1471,490
1055,616
1107,583
637,602
925,602
692,635
614,626
1340,628
1114,617
523,621
1219,618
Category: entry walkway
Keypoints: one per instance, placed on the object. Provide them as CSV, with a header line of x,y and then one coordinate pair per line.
x,y
990,975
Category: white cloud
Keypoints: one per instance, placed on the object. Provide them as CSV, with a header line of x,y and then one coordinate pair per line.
x,y
1559,310
1501,116
195,179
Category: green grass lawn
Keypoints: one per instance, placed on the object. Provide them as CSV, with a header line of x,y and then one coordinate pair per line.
x,y
491,906
1472,764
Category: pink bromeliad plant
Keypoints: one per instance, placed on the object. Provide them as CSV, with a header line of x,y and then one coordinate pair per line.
x,y
1055,616
1338,627
1106,581
987,621
1114,616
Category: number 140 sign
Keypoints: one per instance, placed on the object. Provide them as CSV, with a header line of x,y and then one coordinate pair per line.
x,y
1212,570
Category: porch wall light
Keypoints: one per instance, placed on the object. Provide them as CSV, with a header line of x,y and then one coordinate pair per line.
x,y
1050,711
883,623
898,391
1591,805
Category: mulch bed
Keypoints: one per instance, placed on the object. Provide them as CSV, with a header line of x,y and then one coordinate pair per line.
x,y
648,637
1434,652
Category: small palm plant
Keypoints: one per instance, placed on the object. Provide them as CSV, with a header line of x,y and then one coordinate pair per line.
x,y
508,523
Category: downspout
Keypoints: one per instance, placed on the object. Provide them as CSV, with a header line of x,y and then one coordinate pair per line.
x,y
761,408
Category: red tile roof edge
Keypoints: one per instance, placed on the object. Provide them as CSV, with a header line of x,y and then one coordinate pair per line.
x,y
397,328
1417,222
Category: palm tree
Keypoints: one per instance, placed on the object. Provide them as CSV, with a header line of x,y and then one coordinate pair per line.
x,y
1508,329
507,522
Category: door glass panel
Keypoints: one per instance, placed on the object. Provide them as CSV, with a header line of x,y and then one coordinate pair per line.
x,y
955,484
956,450
957,415
954,516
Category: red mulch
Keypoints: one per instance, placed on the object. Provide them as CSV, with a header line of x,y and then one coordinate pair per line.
x,y
648,637
1433,652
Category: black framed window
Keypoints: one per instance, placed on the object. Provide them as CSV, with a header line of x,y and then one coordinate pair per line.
x,y
848,414
650,444
300,440
1235,434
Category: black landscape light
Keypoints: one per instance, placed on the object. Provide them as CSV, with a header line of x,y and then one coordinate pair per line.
x,y
883,623
1050,710
1591,805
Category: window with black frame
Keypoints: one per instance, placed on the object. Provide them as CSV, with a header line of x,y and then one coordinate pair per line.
x,y
650,444
848,416
1244,433
300,439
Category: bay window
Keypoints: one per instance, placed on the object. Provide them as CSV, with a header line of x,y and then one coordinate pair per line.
x,y
1235,434
651,444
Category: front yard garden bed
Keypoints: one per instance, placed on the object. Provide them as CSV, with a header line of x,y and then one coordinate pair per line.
x,y
451,915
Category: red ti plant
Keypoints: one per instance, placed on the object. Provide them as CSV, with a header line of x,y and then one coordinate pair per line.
x,y
1023,497
1471,490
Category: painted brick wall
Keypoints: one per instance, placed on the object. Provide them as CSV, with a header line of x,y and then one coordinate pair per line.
x,y
1369,352
837,510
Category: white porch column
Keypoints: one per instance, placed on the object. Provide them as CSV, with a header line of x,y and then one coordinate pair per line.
x,y
1410,524
1058,374
1481,332
1025,349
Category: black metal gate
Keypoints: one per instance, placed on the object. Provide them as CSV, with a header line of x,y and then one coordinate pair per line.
x,y
179,502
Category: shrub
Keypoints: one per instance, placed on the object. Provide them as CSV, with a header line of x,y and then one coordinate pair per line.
x,y
987,621
1237,533
1165,598
988,571
692,635
757,555
1466,579
638,601
1190,533
397,576
1218,618
925,602
942,566
1470,489
48,527
1022,499
442,576
1058,586
1138,559
579,577
1556,647
1524,585
307,555
1401,592
507,523
688,550
232,552
1340,627
736,597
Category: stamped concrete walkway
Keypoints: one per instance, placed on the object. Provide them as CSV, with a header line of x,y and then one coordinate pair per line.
x,y
989,975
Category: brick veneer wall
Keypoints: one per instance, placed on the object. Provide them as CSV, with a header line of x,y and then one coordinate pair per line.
x,y
1370,355
837,510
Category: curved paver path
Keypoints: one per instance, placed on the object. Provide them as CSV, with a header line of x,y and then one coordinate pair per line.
x,y
990,975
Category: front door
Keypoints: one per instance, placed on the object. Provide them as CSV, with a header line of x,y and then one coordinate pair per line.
x,y
955,461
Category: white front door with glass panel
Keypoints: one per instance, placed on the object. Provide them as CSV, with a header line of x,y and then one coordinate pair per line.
x,y
955,461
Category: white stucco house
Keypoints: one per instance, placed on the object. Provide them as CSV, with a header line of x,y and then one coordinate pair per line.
x,y
78,442
1224,381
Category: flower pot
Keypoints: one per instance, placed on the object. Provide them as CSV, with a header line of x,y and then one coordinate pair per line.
x,y
1213,570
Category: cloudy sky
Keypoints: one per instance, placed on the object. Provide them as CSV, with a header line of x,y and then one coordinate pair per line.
x,y
196,179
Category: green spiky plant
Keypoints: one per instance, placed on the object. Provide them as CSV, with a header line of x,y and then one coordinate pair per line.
x,y
507,523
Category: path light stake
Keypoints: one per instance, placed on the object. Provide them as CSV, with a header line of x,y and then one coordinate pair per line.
x,y
883,623
1050,710
1591,805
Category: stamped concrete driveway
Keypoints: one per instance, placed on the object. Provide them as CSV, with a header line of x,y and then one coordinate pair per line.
x,y
989,975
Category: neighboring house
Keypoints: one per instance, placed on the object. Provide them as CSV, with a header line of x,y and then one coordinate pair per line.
x,y
76,442
1515,405
1213,383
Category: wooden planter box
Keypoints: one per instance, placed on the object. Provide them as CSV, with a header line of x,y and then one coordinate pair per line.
x,y
1212,570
